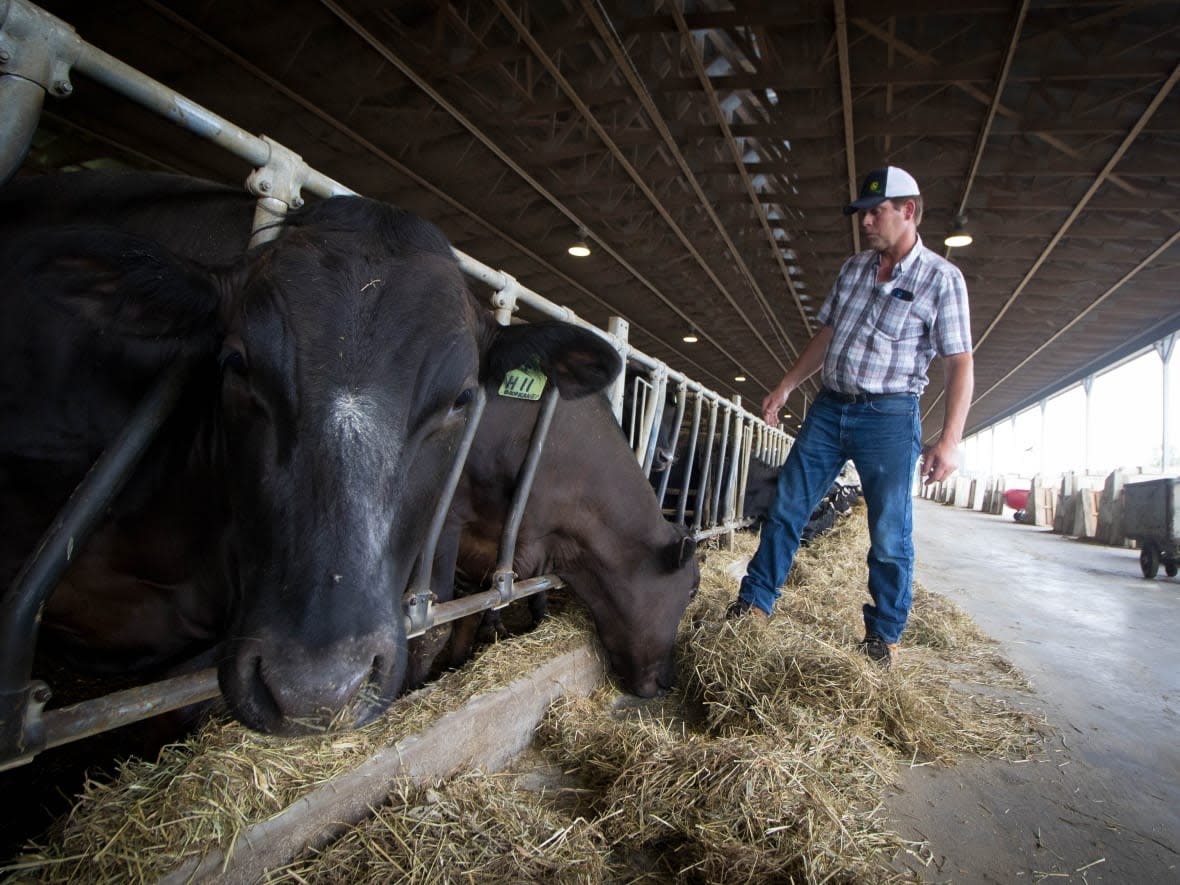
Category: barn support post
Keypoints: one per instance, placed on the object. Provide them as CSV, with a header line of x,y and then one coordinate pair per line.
x,y
1088,387
1043,454
1165,348
699,506
504,576
417,599
681,393
619,330
20,701
689,458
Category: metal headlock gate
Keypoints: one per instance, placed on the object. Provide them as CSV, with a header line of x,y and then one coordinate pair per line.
x,y
38,53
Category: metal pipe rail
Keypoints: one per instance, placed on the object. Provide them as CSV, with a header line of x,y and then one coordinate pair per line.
x,y
85,719
38,53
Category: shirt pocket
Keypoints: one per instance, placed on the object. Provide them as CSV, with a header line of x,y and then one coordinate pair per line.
x,y
896,319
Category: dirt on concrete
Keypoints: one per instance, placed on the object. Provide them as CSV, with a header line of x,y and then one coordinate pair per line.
x,y
1098,643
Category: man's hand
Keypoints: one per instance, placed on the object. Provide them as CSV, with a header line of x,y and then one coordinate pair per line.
x,y
773,403
939,461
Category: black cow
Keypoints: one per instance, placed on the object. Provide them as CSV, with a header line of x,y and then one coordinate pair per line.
x,y
761,480
274,523
838,502
592,519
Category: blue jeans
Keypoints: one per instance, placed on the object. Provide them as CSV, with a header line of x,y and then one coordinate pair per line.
x,y
883,440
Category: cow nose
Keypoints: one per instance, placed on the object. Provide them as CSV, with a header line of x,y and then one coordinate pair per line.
x,y
280,688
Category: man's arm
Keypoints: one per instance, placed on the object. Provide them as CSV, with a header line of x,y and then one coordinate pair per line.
x,y
942,459
808,363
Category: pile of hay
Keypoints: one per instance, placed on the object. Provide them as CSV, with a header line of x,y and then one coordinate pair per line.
x,y
205,791
769,764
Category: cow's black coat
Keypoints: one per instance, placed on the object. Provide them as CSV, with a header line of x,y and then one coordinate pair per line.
x,y
274,524
592,519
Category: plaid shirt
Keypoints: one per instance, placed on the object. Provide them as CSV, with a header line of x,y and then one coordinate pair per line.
x,y
886,334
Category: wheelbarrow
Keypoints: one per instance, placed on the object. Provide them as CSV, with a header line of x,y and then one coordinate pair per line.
x,y
1151,511
1017,499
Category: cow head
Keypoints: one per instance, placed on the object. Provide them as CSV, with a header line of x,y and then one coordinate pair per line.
x,y
637,611
343,360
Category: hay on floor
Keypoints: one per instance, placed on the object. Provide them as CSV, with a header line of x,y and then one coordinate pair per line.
x,y
768,764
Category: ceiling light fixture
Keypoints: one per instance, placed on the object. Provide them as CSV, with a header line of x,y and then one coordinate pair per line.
x,y
739,378
580,248
691,337
959,236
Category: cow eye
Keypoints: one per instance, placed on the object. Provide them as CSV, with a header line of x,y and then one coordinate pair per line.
x,y
464,398
233,360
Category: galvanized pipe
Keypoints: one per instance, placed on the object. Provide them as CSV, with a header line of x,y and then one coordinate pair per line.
x,y
715,512
200,121
639,388
652,416
750,431
734,465
699,509
504,576
417,598
20,610
678,421
712,532
36,51
88,718
20,100
689,459
618,330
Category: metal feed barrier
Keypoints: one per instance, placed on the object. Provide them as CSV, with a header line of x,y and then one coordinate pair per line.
x,y
38,54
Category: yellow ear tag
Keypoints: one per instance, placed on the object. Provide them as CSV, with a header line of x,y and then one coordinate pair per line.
x,y
523,383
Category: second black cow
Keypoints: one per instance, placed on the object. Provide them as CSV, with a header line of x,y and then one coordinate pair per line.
x,y
592,519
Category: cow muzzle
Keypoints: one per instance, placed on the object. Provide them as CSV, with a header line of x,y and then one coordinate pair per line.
x,y
275,688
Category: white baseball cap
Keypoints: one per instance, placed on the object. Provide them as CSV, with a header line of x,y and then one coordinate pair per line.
x,y
881,185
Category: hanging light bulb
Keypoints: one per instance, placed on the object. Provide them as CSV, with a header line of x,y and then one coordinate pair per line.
x,y
691,337
959,236
580,248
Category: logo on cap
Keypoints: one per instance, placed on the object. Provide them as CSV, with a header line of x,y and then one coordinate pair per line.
x,y
874,185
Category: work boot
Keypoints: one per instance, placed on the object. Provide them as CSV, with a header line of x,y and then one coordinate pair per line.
x,y
878,650
739,608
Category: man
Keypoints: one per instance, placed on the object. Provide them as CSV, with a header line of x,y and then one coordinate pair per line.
x,y
891,310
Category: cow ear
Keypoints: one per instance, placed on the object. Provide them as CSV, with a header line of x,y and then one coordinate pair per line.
x,y
678,554
577,360
125,286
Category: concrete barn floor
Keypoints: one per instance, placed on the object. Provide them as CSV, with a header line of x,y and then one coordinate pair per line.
x,y
1101,646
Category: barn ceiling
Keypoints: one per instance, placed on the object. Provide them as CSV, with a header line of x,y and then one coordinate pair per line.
x,y
706,147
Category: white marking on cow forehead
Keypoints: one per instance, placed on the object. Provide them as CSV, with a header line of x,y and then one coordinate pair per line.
x,y
366,447
352,415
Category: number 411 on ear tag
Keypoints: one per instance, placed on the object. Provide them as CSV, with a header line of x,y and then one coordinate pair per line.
x,y
523,383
